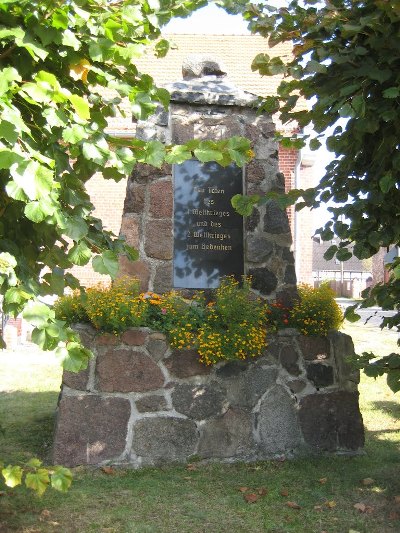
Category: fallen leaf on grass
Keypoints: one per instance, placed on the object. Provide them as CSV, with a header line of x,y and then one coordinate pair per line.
x,y
293,505
363,508
331,504
44,515
367,481
191,467
284,492
243,489
323,480
397,499
317,507
262,491
108,470
251,497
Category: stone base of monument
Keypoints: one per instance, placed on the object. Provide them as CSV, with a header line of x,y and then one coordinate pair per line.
x,y
140,403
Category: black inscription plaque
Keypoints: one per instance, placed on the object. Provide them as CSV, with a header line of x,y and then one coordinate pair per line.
x,y
208,233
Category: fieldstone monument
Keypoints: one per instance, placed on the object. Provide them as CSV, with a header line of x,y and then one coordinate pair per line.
x,y
140,402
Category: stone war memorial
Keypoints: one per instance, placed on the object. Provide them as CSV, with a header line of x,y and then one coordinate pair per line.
x,y
142,403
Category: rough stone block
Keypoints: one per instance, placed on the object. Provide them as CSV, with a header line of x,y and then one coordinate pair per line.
x,y
185,364
252,221
246,389
107,339
147,172
158,239
332,422
76,381
135,269
278,425
199,401
157,346
259,248
161,199
164,439
130,230
263,280
127,371
90,429
163,277
135,197
296,385
275,220
182,132
343,348
151,404
289,360
290,275
230,435
134,337
314,348
321,375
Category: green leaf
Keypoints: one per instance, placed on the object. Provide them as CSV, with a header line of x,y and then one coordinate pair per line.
x,y
74,134
76,228
207,151
162,47
34,179
38,481
93,152
155,153
34,463
387,182
244,204
34,212
8,158
74,357
69,39
178,154
106,263
330,252
61,478
343,254
350,314
38,314
80,254
16,295
80,105
315,144
39,337
392,92
393,380
12,475
315,66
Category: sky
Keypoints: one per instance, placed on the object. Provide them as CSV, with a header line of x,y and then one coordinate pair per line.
x,y
214,20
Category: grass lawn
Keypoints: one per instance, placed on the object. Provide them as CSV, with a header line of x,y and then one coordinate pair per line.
x,y
198,498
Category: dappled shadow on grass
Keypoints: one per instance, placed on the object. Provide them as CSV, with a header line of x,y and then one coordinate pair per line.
x,y
388,407
27,419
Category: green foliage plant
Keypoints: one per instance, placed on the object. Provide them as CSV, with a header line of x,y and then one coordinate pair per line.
x,y
234,326
316,312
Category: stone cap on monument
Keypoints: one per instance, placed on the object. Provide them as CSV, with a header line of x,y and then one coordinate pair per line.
x,y
205,82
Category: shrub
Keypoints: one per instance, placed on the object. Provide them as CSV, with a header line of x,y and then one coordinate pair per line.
x,y
116,308
234,325
71,309
317,311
